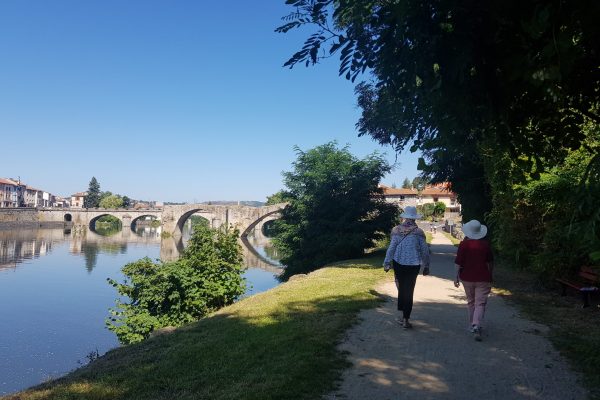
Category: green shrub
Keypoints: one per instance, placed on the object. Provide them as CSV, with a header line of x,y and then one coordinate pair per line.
x,y
206,278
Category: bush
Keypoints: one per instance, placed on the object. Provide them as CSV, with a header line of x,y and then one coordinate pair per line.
x,y
335,209
207,277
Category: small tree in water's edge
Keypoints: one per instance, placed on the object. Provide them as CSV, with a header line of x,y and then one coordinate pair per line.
x,y
207,277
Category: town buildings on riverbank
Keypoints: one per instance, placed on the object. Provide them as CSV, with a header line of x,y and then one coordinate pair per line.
x,y
14,193
403,197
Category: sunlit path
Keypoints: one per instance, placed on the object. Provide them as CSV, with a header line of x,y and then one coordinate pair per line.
x,y
438,358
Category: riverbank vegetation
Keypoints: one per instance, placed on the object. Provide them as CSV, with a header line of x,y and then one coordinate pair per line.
x,y
335,208
280,344
107,225
574,331
509,117
95,198
207,276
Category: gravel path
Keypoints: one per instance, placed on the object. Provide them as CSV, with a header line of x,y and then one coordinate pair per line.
x,y
438,358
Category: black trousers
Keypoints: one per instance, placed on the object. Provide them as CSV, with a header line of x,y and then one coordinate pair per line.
x,y
406,279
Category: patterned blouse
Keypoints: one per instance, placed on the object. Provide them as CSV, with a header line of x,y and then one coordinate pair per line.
x,y
408,245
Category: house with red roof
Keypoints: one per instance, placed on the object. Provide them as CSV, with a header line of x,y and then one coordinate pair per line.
x,y
430,194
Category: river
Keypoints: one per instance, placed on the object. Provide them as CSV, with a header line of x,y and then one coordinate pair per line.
x,y
54,297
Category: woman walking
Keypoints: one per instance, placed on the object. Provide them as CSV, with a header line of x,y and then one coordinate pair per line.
x,y
408,250
474,267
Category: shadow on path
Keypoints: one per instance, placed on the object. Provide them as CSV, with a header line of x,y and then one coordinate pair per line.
x,y
438,358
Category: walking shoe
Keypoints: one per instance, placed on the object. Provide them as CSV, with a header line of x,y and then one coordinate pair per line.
x,y
406,324
477,334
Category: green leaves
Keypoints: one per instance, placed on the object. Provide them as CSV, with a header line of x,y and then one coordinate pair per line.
x,y
92,199
335,209
206,278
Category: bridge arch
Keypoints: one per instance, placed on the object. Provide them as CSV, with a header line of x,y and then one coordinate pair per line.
x,y
259,220
92,223
241,217
214,222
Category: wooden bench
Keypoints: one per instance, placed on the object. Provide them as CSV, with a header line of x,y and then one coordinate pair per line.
x,y
586,282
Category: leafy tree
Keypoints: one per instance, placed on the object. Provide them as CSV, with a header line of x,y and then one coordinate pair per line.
x,y
406,184
198,220
336,208
552,224
207,277
419,183
280,197
126,202
104,195
111,201
465,82
92,199
439,209
427,210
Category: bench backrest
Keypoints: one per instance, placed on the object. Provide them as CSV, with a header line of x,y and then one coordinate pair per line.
x,y
588,273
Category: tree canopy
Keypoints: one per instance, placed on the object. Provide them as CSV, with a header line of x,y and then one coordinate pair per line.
x,y
335,210
205,278
463,81
92,199
492,93
111,201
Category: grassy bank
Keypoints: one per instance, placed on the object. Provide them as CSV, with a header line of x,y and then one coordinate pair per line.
x,y
276,345
574,331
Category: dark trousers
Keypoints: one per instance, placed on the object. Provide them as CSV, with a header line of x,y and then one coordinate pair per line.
x,y
406,278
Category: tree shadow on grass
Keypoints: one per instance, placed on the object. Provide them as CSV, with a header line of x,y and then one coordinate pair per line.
x,y
287,353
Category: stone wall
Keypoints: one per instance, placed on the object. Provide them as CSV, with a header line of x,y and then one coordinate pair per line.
x,y
25,217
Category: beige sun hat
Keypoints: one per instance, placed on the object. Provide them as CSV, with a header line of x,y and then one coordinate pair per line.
x,y
474,229
411,213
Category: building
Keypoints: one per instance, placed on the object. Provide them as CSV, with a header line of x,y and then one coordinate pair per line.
x,y
60,202
33,197
11,193
78,199
8,193
430,194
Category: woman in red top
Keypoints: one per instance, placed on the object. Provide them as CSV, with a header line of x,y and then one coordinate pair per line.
x,y
474,267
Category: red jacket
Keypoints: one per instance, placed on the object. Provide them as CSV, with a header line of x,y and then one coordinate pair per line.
x,y
473,257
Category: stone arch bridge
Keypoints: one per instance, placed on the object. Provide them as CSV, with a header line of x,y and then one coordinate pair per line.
x,y
244,218
172,217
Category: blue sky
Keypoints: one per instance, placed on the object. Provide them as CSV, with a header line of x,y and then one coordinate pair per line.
x,y
165,100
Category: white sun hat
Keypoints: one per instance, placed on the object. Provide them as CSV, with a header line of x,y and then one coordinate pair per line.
x,y
411,213
474,230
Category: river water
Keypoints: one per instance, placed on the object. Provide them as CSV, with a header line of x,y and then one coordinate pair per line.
x,y
54,297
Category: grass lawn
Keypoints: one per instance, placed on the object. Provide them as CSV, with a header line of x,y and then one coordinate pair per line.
x,y
574,331
280,344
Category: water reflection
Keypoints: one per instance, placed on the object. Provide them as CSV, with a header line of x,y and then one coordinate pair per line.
x,y
25,244
19,245
54,295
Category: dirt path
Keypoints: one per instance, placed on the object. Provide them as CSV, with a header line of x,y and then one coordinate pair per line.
x,y
438,358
